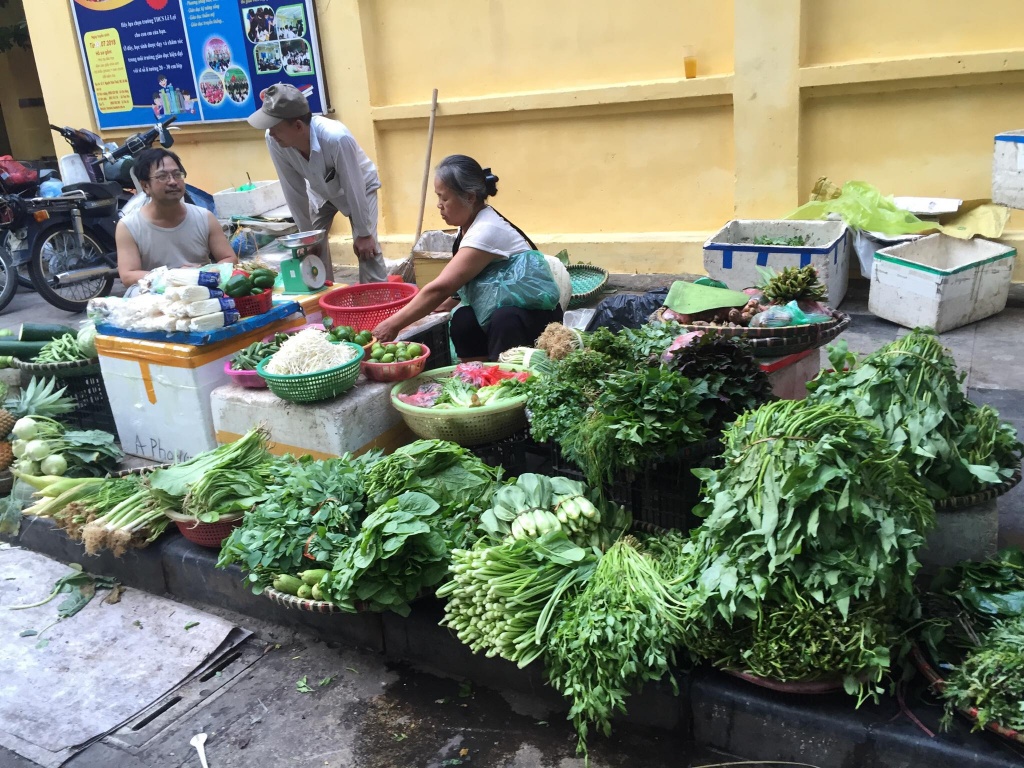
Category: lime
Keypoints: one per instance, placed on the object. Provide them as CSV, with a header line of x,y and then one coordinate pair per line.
x,y
377,354
388,358
414,350
402,358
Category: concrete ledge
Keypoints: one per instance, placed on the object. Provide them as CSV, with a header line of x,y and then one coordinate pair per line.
x,y
138,568
825,730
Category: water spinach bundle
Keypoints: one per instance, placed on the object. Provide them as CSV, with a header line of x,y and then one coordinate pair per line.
x,y
811,526
910,389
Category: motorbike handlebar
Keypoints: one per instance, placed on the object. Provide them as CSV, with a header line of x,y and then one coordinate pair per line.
x,y
140,141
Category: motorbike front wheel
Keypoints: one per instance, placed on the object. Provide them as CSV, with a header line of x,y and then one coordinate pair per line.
x,y
56,251
8,280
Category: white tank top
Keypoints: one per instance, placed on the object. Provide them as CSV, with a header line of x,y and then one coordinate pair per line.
x,y
187,243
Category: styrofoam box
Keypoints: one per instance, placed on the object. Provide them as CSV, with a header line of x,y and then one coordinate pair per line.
x,y
1008,169
160,393
731,256
940,282
356,421
267,196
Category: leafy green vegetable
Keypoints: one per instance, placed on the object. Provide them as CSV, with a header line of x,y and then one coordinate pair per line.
x,y
796,240
446,472
225,492
502,599
395,555
734,379
171,485
640,416
810,507
318,504
614,635
910,389
559,400
991,679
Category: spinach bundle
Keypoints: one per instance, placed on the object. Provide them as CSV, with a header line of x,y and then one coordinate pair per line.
x,y
811,505
911,391
397,553
640,416
614,635
312,504
446,472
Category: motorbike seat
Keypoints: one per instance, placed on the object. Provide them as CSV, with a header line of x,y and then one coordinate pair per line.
x,y
106,190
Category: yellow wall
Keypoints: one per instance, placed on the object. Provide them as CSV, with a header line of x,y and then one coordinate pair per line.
x,y
26,126
602,145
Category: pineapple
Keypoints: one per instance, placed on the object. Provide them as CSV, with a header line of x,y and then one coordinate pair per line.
x,y
6,456
37,399
7,420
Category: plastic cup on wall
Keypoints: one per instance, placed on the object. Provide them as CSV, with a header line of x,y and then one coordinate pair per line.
x,y
689,61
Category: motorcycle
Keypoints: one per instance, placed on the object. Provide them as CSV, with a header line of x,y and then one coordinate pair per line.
x,y
67,242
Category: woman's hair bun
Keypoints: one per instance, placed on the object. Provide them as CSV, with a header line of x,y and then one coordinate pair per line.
x,y
491,182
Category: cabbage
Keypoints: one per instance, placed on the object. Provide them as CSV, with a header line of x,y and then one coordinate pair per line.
x,y
87,340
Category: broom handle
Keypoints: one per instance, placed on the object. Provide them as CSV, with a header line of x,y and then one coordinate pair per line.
x,y
426,169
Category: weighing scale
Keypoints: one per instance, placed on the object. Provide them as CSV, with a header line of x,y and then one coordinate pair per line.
x,y
304,272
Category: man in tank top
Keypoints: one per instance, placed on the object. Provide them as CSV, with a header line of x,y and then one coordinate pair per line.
x,y
166,231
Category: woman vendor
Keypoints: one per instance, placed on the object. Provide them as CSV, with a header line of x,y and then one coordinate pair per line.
x,y
509,291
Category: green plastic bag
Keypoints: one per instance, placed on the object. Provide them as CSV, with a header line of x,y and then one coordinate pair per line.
x,y
522,280
862,206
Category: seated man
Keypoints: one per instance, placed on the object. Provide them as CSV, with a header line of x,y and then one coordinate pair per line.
x,y
166,232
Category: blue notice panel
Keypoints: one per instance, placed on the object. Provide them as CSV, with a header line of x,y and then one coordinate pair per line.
x,y
200,60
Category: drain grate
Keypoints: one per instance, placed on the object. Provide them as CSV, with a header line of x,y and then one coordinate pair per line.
x,y
186,699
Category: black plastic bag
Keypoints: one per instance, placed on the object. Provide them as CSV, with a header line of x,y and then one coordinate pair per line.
x,y
626,310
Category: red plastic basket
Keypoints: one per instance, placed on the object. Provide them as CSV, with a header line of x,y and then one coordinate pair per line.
x,y
396,371
248,306
208,534
363,306
249,379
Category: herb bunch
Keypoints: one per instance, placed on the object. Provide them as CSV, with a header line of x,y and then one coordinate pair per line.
x,y
640,417
810,506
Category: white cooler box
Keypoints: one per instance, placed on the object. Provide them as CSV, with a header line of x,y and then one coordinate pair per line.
x,y
731,256
940,282
160,393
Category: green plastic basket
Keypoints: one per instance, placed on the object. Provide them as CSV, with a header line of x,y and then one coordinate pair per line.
x,y
313,387
465,426
587,280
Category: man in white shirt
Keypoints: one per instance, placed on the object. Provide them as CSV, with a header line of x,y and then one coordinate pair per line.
x,y
322,171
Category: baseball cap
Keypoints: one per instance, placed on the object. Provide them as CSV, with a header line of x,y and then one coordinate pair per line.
x,y
280,102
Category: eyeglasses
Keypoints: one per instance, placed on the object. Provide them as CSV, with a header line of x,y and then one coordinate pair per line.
x,y
163,178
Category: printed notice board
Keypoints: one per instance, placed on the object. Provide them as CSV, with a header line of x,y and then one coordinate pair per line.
x,y
202,61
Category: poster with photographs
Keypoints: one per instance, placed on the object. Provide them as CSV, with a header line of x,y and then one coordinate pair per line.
x,y
199,60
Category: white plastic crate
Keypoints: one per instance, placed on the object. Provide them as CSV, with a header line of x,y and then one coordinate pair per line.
x,y
731,256
1008,169
940,282
267,196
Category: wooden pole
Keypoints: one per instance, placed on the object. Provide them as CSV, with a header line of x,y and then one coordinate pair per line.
x,y
426,168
